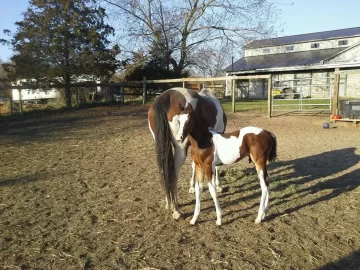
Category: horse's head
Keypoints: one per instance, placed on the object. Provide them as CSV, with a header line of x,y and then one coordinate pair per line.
x,y
186,123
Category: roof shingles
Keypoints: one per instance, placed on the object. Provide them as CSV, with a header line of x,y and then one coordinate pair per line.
x,y
340,33
283,59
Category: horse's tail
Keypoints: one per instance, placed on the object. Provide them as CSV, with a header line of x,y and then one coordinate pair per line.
x,y
164,152
273,152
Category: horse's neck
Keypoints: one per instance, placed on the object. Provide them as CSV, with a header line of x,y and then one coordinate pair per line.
x,y
200,133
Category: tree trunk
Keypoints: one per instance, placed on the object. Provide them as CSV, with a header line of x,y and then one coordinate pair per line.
x,y
67,91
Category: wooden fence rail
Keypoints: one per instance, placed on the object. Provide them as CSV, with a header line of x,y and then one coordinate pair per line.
x,y
145,83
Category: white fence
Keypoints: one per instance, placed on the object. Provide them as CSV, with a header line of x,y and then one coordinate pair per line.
x,y
305,94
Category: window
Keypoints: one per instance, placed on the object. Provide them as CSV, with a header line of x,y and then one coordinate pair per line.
x,y
266,50
315,45
343,42
290,48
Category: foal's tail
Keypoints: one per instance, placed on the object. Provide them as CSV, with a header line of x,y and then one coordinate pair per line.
x,y
164,153
273,153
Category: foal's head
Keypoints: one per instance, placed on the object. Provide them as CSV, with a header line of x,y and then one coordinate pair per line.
x,y
186,123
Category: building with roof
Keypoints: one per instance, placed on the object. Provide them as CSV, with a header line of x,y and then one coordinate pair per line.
x,y
303,63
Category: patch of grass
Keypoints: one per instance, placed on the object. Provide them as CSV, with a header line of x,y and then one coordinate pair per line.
x,y
236,178
244,104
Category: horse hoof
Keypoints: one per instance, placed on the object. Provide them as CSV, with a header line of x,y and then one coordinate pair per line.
x,y
192,190
218,222
192,222
219,189
257,221
176,215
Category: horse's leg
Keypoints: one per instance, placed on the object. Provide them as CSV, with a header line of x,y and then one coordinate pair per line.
x,y
267,194
261,169
218,188
212,190
191,189
198,190
179,159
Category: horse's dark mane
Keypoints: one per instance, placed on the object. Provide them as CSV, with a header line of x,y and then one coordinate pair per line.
x,y
164,153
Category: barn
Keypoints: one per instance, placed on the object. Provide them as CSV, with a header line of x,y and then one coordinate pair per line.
x,y
301,64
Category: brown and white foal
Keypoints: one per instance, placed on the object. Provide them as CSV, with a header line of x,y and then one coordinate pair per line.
x,y
228,148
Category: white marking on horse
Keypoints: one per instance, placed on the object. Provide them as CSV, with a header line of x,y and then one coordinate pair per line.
x,y
226,149
219,125
152,133
174,124
264,198
189,98
247,130
181,122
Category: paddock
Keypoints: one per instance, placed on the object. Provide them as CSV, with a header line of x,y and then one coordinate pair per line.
x,y
80,190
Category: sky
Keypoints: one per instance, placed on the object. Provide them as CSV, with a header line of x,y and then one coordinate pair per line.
x,y
295,17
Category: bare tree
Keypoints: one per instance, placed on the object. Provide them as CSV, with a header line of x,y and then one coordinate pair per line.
x,y
183,31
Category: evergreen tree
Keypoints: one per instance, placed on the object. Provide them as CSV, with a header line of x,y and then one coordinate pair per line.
x,y
59,40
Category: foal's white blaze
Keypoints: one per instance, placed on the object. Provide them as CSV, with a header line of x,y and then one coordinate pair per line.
x,y
174,125
181,122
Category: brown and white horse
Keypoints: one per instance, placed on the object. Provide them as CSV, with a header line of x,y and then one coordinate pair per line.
x,y
213,149
164,124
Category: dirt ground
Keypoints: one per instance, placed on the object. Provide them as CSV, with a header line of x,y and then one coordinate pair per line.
x,y
80,190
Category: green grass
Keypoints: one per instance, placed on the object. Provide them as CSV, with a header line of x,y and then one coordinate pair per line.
x,y
244,105
306,104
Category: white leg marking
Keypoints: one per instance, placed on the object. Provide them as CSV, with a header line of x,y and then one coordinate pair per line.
x,y
179,159
267,206
198,190
152,133
218,188
264,191
191,189
166,203
212,191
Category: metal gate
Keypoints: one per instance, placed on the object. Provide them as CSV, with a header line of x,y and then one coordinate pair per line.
x,y
305,94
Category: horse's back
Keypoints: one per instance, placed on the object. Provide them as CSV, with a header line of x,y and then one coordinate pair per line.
x,y
220,117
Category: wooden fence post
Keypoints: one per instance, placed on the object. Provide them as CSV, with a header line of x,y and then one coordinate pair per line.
x,y
11,104
144,90
233,94
20,103
269,97
122,95
335,98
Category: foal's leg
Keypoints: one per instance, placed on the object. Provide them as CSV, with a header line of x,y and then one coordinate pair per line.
x,y
267,193
198,190
191,189
212,190
264,192
218,188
